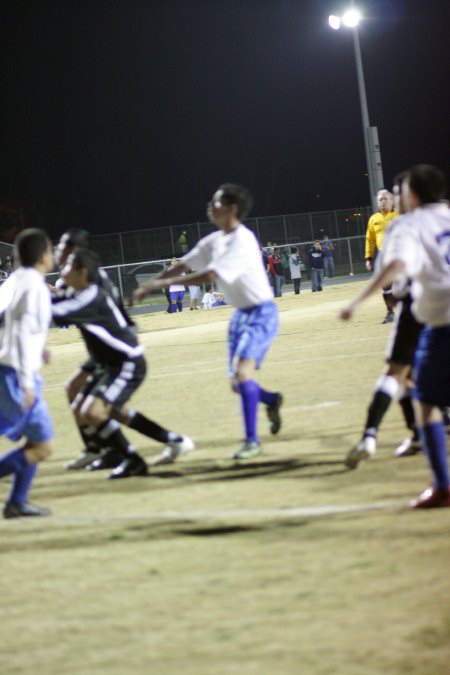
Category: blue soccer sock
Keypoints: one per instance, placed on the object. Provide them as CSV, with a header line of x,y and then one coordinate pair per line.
x,y
435,445
21,484
267,397
249,392
180,305
13,461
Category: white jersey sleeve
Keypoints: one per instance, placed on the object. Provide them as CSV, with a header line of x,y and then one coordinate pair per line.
x,y
25,323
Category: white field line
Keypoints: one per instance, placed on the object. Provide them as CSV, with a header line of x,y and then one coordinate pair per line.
x,y
196,516
317,359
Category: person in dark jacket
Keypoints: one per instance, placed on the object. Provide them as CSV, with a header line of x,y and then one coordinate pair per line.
x,y
316,256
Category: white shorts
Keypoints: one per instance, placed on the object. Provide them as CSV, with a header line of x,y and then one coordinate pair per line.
x,y
194,292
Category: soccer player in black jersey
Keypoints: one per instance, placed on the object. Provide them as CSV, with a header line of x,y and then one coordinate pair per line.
x,y
120,368
72,240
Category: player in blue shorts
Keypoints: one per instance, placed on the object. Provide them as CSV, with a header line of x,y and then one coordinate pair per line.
x,y
231,258
25,316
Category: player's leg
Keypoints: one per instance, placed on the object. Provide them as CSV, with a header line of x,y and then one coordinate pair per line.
x,y
96,413
389,301
180,298
175,444
250,335
400,351
73,387
386,389
21,463
172,303
432,367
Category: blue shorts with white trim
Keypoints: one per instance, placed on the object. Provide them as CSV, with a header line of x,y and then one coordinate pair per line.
x,y
35,423
251,333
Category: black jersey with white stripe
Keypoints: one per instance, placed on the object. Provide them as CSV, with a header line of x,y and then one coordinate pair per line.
x,y
111,289
108,337
105,282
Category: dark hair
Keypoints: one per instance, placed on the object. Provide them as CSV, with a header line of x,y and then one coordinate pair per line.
x,y
427,182
31,244
236,194
399,178
77,237
294,249
84,258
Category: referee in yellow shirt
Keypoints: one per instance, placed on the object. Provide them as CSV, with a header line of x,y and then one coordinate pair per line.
x,y
376,227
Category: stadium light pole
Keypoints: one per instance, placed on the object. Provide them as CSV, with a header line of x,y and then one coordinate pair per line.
x,y
350,19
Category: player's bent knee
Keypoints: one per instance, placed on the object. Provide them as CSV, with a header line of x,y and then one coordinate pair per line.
x,y
74,384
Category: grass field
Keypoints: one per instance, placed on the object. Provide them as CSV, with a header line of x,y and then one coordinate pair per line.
x,y
286,564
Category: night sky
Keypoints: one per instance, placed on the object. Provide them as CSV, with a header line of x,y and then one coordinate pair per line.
x,y
126,114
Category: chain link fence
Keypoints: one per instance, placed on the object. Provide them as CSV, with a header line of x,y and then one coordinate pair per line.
x,y
165,242
348,257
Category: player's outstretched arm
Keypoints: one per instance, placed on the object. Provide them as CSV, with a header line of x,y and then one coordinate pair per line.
x,y
141,292
165,279
383,278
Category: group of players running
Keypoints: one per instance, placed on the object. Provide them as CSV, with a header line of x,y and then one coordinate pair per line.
x,y
416,247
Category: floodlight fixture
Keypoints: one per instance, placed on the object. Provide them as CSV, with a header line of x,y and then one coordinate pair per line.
x,y
351,18
334,22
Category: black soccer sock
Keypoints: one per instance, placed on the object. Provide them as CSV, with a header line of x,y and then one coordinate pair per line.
x,y
110,435
408,413
145,426
89,440
386,389
376,412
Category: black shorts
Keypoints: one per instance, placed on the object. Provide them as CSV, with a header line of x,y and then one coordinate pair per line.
x,y
404,337
116,384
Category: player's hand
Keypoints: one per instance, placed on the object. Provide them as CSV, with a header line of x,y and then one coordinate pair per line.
x,y
29,398
46,355
347,313
140,293
369,266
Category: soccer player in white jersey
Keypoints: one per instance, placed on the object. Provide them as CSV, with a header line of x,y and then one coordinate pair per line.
x,y
231,258
25,316
421,251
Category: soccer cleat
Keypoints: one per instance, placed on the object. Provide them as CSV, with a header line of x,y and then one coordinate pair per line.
x,y
365,449
109,460
389,318
133,465
24,510
432,498
409,447
81,462
247,450
273,413
173,450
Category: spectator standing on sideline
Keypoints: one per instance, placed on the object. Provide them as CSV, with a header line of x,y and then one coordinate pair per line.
x,y
316,256
275,272
328,261
176,293
376,227
231,257
423,256
182,243
284,255
194,295
295,269
25,315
